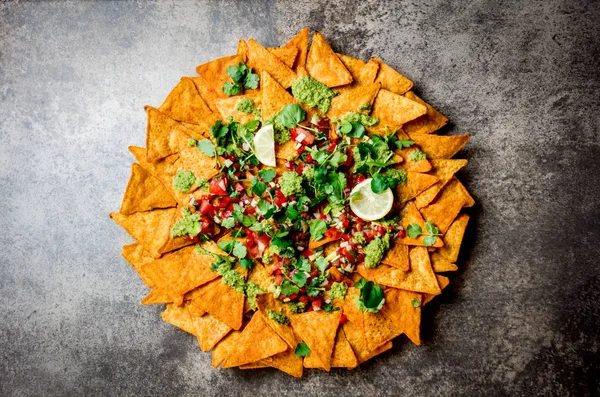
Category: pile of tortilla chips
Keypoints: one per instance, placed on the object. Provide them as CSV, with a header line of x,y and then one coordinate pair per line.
x,y
196,298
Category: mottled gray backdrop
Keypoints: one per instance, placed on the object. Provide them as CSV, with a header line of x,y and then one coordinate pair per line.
x,y
522,314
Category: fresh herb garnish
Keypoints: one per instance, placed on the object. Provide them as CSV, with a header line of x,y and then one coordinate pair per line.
x,y
243,79
302,350
371,297
414,230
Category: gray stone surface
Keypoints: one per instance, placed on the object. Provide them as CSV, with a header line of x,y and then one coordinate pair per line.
x,y
521,316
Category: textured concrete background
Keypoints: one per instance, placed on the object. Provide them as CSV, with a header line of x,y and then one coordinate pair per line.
x,y
522,314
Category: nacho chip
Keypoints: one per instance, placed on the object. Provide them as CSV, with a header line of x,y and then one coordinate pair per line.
x,y
352,64
343,356
397,256
200,164
261,59
324,65
137,257
355,337
368,73
149,228
395,108
351,99
166,272
286,151
164,136
453,238
286,362
287,55
444,170
440,264
314,244
197,269
416,183
179,317
438,146
410,214
274,96
260,276
267,302
144,192
215,72
209,93
184,103
157,297
317,330
443,283
228,108
391,80
415,166
300,41
208,330
446,207
379,328
426,124
224,347
420,278
402,311
258,341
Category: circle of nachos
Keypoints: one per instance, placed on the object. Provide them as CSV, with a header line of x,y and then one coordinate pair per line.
x,y
268,266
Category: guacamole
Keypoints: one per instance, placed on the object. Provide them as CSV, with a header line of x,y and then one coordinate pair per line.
x,y
355,117
278,317
417,155
290,183
189,225
313,93
183,181
376,250
338,291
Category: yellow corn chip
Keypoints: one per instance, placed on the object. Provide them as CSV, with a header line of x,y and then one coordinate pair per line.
x,y
343,356
391,80
443,283
200,164
184,103
440,264
257,342
149,228
267,302
286,151
179,317
402,311
261,59
287,55
355,336
317,330
324,65
397,256
453,238
395,108
260,276
208,330
197,270
164,136
438,146
445,208
225,346
420,278
444,170
352,64
145,192
274,96
426,124
228,107
368,73
209,93
286,362
157,297
314,244
415,166
379,328
351,99
416,183
410,214
214,72
137,257
300,41
166,272
195,310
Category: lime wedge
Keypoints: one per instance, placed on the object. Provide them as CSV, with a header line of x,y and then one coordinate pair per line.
x,y
264,146
368,205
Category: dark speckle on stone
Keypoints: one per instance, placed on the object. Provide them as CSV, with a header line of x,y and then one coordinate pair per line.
x,y
521,314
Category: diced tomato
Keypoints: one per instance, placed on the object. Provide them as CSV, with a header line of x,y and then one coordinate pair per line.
x,y
301,149
309,158
322,216
402,233
360,178
278,279
300,168
303,299
205,222
332,146
250,210
380,230
289,165
263,239
333,233
301,135
306,253
343,319
206,208
239,187
317,303
293,296
218,186
254,251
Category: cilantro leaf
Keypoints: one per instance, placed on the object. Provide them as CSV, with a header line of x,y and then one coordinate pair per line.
x,y
246,263
303,264
345,127
321,263
252,125
267,174
287,288
206,147
291,212
320,156
413,230
402,143
378,184
428,241
229,223
239,250
235,73
431,228
302,350
371,297
299,278
226,245
318,227
291,115
337,159
231,89
266,209
258,187
358,130
251,81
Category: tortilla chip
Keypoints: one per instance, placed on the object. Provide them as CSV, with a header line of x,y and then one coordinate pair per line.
x,y
429,122
379,328
443,282
258,341
228,107
324,65
408,165
300,41
287,55
397,256
274,96
420,278
368,73
195,310
202,165
137,257
215,71
352,64
446,207
314,244
440,264
208,330
225,346
179,317
391,80
144,192
317,330
209,93
197,270
286,151
438,146
416,183
355,336
351,99
157,297
395,108
256,365
453,238
268,302
444,170
184,103
164,136
260,276
166,272
400,309
343,356
261,59
286,362
410,214
149,228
